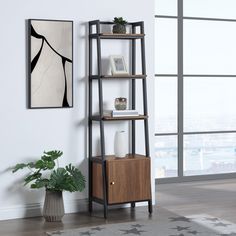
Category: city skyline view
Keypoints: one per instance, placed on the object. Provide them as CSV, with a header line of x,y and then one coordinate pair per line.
x,y
203,153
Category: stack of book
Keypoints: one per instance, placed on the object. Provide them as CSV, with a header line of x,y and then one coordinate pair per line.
x,y
121,113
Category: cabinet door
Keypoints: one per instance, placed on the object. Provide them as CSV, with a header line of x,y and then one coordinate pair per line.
x,y
128,180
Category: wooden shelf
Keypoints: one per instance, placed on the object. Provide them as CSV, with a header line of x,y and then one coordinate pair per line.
x,y
118,76
109,118
113,158
117,36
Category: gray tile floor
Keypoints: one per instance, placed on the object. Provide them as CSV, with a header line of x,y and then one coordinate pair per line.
x,y
214,198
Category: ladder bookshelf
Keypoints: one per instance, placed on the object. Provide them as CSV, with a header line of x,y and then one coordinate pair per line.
x,y
107,185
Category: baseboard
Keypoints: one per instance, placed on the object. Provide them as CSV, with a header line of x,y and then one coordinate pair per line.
x,y
33,210
20,211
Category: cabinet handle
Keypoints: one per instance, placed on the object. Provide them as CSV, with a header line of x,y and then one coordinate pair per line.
x,y
112,183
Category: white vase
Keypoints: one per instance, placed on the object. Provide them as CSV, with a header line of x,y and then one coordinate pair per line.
x,y
120,144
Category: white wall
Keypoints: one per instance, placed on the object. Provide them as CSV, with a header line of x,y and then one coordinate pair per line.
x,y
24,133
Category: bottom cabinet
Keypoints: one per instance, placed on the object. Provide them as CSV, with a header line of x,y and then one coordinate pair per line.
x,y
128,179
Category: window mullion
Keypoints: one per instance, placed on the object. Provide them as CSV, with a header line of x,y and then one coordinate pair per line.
x,y
180,89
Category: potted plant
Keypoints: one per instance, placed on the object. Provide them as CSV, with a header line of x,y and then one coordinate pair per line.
x,y
120,25
46,173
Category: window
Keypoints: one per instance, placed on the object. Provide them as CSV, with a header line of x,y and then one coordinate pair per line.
x,y
195,88
209,104
166,46
165,100
206,154
209,47
166,7
167,156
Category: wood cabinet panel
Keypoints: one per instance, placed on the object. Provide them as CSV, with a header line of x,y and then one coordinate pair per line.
x,y
97,181
128,180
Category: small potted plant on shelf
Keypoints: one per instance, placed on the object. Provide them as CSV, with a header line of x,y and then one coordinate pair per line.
x,y
120,25
46,173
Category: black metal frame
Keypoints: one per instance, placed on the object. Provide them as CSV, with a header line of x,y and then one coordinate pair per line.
x,y
30,59
98,36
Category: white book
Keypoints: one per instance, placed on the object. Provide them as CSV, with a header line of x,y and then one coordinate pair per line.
x,y
107,113
116,113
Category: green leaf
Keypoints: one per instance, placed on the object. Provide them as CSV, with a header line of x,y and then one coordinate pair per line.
x,y
51,155
77,177
45,165
39,164
50,165
46,158
34,176
120,20
40,183
59,180
31,165
19,166
67,179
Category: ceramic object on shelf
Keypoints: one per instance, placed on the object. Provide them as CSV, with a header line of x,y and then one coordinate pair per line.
x,y
120,144
119,29
120,103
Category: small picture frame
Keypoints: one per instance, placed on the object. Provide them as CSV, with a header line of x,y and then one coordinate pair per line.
x,y
118,65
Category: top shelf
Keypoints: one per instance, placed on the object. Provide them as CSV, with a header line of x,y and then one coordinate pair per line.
x,y
117,36
108,77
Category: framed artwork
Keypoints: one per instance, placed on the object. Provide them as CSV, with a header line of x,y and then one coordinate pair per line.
x,y
118,65
50,63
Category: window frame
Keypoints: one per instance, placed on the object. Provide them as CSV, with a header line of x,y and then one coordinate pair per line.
x,y
180,101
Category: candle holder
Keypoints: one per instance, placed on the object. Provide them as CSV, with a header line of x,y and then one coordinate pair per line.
x,y
121,103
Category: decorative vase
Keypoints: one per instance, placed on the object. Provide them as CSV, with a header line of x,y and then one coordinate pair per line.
x,y
119,29
53,209
120,103
120,144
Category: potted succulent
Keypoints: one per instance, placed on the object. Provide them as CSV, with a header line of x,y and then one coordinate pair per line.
x,y
119,25
46,173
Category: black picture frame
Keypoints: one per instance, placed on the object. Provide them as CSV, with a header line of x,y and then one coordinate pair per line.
x,y
58,60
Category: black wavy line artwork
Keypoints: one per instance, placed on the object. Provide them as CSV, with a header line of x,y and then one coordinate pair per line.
x,y
63,61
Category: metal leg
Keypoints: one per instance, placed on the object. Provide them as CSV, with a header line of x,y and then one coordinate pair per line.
x,y
133,87
105,210
132,204
90,202
102,138
150,206
90,206
145,108
105,207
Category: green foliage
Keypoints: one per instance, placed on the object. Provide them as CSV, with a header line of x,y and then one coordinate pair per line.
x,y
19,167
60,179
120,21
77,177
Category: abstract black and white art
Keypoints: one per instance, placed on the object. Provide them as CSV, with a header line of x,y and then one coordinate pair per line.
x,y
50,63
